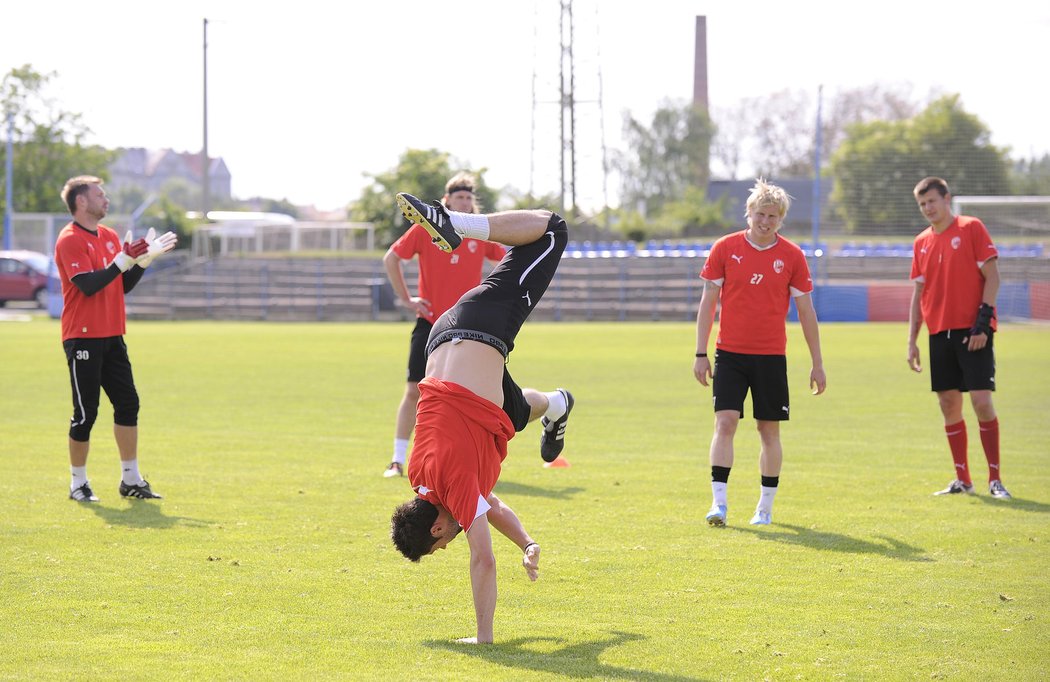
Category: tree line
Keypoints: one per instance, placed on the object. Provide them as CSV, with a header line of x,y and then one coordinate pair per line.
x,y
877,142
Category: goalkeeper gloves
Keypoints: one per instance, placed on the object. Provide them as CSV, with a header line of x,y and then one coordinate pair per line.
x,y
983,325
158,246
131,252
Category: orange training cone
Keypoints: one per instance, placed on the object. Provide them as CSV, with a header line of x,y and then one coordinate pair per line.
x,y
559,463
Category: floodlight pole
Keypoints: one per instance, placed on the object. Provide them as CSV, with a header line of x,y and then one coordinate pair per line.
x,y
8,172
816,186
204,150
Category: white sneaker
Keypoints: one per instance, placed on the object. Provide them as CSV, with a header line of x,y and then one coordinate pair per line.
x,y
997,489
762,518
394,469
717,515
956,487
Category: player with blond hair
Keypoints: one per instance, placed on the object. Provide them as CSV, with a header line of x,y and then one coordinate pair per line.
x,y
754,273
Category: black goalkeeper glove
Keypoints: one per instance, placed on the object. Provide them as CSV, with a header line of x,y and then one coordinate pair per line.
x,y
983,325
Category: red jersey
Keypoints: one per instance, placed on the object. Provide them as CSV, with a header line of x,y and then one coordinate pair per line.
x,y
78,250
461,441
444,277
949,266
756,287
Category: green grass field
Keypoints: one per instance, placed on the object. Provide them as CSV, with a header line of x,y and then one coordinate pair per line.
x,y
270,556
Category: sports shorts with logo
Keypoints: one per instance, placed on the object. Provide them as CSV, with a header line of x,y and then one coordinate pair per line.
x,y
97,365
954,367
494,311
764,375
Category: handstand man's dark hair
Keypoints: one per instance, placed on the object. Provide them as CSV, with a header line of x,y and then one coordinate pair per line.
x,y
410,528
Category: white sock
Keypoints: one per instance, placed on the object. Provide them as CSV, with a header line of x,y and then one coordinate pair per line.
x,y
718,489
472,225
765,501
79,477
556,405
129,472
400,450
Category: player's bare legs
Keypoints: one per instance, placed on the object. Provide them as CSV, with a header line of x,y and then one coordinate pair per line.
x,y
726,423
515,228
771,457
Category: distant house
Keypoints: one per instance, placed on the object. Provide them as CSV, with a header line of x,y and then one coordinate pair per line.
x,y
151,169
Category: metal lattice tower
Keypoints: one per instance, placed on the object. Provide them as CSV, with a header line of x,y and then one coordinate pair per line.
x,y
582,164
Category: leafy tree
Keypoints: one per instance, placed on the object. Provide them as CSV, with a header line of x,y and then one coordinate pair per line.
x,y
1031,176
419,172
773,135
878,164
666,158
163,215
48,143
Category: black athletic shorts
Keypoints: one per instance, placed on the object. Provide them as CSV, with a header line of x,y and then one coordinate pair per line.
x,y
764,375
417,350
953,367
494,311
96,365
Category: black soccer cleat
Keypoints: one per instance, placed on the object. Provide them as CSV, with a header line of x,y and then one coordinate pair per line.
x,y
433,218
83,494
552,440
143,492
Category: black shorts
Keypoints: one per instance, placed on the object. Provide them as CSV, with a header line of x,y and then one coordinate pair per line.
x,y
417,350
96,365
953,367
494,311
514,403
764,375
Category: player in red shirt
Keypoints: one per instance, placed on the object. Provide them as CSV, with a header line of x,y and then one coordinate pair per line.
x,y
96,270
955,268
754,273
443,278
470,406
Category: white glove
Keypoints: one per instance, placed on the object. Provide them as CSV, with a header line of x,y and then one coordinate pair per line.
x,y
158,246
130,253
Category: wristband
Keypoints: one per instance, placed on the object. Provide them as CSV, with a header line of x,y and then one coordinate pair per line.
x,y
701,355
526,550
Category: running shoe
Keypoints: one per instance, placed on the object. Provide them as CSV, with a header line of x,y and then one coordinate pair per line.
x,y
141,491
552,440
956,487
997,489
761,518
83,494
717,515
434,219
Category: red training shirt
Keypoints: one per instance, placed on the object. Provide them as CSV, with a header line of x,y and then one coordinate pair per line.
x,y
756,286
949,266
78,250
461,441
444,277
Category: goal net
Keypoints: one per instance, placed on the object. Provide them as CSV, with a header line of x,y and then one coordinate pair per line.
x,y
1020,226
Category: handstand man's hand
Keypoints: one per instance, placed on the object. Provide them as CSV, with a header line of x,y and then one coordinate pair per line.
x,y
531,560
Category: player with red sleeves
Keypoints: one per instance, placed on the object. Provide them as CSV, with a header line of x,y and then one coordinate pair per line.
x,y
470,406
956,274
754,273
96,270
443,278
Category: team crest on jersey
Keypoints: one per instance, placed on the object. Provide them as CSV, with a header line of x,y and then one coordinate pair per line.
x,y
472,246
778,266
109,246
956,241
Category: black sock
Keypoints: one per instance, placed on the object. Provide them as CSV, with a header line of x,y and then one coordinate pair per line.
x,y
770,481
719,474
